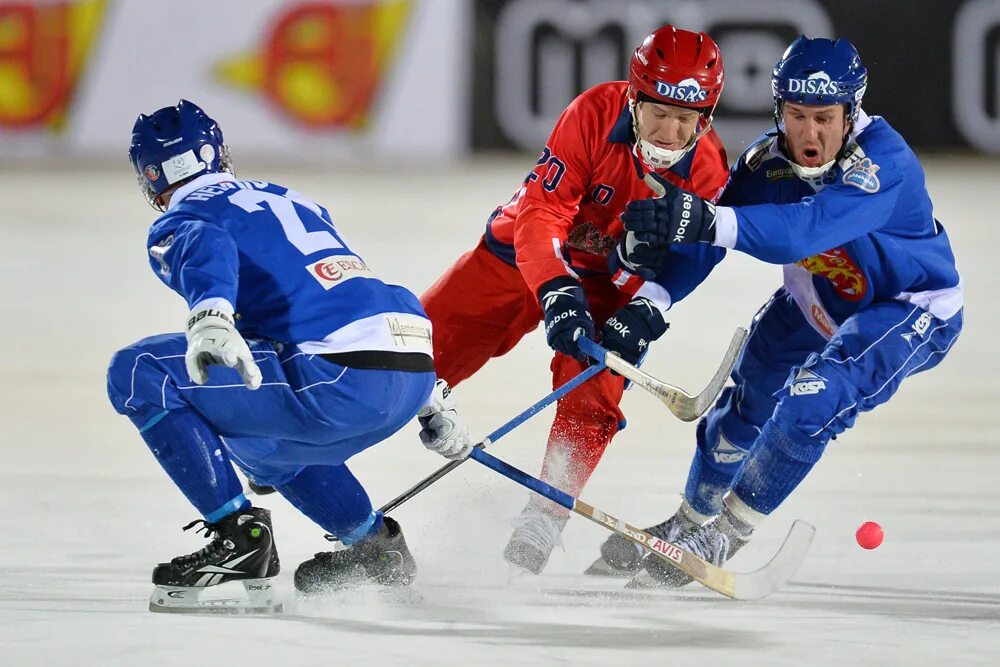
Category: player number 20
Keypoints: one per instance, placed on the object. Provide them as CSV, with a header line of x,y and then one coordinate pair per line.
x,y
552,173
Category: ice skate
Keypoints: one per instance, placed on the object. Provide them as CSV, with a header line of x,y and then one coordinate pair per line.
x,y
715,542
621,557
231,575
382,558
536,535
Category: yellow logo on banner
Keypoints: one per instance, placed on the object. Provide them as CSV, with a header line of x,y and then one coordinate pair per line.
x,y
321,63
43,48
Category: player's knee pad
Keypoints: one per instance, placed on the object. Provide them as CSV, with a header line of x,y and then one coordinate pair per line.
x,y
818,402
137,381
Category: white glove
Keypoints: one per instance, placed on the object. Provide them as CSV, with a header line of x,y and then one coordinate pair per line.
x,y
444,429
212,339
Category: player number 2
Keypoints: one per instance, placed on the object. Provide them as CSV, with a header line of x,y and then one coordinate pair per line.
x,y
284,210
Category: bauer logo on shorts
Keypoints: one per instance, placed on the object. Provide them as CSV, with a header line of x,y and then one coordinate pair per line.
x,y
862,175
337,269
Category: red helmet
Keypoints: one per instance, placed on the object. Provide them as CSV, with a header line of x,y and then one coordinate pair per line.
x,y
678,67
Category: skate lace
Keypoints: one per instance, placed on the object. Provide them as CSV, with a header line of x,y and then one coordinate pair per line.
x,y
539,530
671,529
708,544
209,552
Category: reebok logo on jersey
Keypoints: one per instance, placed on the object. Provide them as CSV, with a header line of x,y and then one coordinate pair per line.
x,y
338,269
806,382
551,296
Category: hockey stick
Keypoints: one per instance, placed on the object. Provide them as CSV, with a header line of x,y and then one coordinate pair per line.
x,y
684,406
737,585
567,387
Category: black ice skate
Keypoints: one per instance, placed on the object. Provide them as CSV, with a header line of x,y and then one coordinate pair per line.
x,y
242,551
621,557
382,558
715,542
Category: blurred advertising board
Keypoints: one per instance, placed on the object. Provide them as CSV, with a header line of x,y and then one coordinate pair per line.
x,y
934,67
313,79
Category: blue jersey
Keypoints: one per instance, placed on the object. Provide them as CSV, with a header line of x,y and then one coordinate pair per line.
x,y
276,259
863,232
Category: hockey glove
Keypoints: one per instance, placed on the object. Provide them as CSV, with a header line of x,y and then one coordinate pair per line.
x,y
566,315
630,330
677,217
213,340
443,429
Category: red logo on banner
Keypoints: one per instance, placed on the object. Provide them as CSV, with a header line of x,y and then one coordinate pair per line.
x,y
321,64
43,47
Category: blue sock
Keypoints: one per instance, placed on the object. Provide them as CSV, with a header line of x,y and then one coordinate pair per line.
x,y
774,467
334,498
708,481
193,455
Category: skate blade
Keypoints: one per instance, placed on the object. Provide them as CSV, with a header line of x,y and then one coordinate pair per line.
x,y
600,568
258,597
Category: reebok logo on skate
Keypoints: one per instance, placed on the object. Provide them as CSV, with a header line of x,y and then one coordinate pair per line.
x,y
806,382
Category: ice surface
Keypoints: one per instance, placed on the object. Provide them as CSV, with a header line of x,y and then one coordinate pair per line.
x,y
87,512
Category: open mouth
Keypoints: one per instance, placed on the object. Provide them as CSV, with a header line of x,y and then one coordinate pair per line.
x,y
810,156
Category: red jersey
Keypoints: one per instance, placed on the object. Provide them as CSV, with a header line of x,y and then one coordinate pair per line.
x,y
565,217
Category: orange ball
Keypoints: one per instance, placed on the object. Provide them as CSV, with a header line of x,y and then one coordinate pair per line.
x,y
869,535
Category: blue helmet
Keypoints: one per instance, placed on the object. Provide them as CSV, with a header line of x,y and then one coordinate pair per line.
x,y
174,144
819,71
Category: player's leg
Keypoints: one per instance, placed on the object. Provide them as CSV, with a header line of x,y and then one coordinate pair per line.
x,y
375,405
861,368
188,447
376,550
778,339
480,308
585,422
317,404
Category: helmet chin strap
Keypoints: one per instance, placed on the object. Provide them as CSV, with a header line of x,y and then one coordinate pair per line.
x,y
809,173
653,155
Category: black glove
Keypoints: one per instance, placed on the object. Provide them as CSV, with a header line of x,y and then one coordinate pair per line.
x,y
630,330
676,217
566,312
645,254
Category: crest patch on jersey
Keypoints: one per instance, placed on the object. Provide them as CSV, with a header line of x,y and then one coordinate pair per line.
x,y
837,266
862,176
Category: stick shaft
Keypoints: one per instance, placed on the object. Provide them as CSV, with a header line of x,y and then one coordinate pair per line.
x,y
569,386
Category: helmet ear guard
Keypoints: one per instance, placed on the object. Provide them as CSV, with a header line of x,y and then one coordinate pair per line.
x,y
173,145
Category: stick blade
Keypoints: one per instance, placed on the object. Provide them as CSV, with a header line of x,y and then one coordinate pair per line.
x,y
759,584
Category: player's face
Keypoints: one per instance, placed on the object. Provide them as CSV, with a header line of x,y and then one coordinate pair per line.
x,y
666,126
814,134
